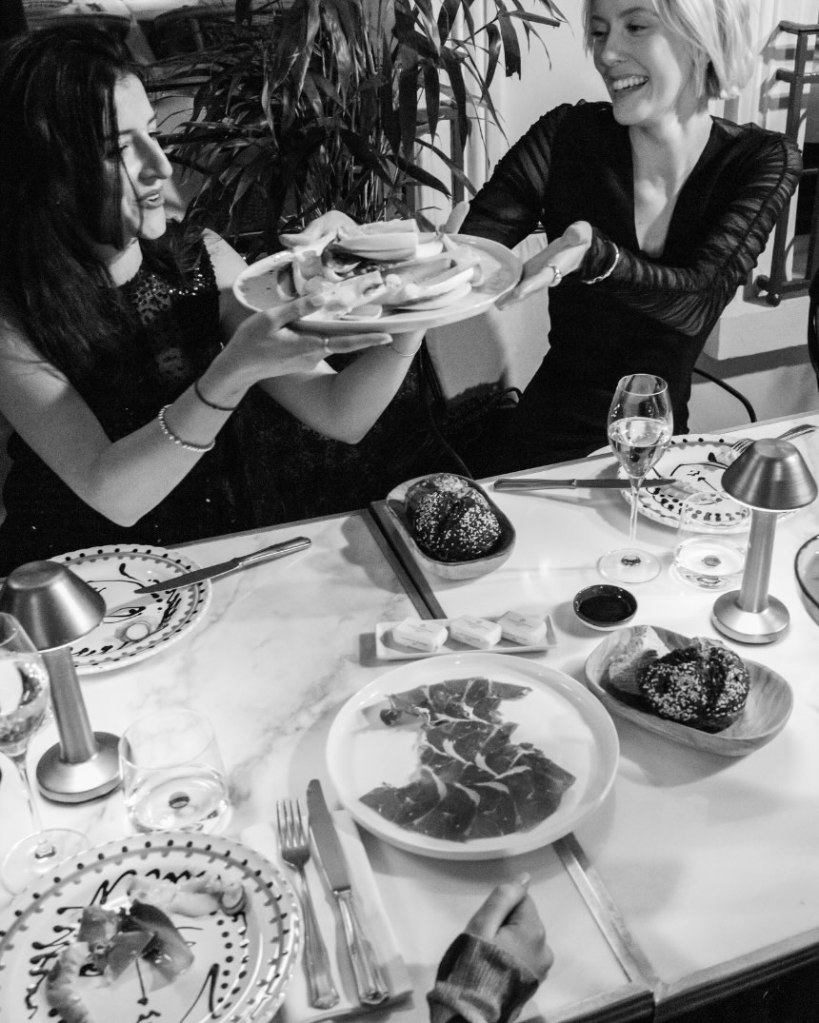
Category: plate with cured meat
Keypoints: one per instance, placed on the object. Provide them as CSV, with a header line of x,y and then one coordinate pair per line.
x,y
387,282
472,756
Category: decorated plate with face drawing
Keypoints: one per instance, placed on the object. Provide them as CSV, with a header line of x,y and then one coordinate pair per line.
x,y
242,958
135,626
697,463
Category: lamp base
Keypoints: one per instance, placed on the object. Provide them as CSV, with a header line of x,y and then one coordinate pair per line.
x,y
63,782
763,626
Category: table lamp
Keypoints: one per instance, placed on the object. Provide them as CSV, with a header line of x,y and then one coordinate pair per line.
x,y
771,476
55,607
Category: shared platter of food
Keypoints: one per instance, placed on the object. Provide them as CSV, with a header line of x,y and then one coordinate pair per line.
x,y
472,756
384,277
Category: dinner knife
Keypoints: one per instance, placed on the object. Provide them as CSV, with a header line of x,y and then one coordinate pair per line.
x,y
369,980
277,550
541,483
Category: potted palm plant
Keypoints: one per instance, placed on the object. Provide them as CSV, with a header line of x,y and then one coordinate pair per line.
x,y
308,105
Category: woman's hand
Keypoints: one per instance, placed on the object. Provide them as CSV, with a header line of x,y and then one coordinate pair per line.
x,y
509,919
549,267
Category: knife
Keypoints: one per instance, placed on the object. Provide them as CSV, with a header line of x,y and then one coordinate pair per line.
x,y
540,483
369,980
278,550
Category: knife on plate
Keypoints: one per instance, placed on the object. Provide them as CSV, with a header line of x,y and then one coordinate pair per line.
x,y
369,980
541,483
277,550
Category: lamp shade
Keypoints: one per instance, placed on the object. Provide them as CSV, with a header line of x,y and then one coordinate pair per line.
x,y
52,603
770,475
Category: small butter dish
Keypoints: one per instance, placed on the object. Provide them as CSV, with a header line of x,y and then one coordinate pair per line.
x,y
424,635
604,606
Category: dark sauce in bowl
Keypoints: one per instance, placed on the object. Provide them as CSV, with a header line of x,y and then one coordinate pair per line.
x,y
605,606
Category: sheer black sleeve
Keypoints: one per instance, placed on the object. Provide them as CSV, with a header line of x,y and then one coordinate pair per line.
x,y
691,298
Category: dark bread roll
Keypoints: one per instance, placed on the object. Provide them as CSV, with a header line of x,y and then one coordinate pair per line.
x,y
450,519
704,685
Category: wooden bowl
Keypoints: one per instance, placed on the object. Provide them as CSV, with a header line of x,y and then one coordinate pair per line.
x,y
766,711
474,567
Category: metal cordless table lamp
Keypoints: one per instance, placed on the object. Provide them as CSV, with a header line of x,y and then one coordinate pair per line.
x,y
56,607
771,476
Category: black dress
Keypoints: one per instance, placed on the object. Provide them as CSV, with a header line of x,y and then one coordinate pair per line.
x,y
266,466
650,315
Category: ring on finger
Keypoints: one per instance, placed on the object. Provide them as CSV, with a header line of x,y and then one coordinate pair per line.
x,y
558,276
326,342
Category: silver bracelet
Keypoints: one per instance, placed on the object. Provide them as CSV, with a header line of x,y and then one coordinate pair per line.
x,y
402,355
163,426
209,403
615,261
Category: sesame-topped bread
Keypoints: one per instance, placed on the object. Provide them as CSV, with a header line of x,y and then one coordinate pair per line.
x,y
641,646
450,519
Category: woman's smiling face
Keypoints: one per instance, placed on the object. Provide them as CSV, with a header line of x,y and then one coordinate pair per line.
x,y
648,70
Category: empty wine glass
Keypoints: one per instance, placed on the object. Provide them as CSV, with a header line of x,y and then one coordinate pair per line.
x,y
639,430
24,695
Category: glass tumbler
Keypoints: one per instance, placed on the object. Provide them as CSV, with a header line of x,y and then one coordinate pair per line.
x,y
172,774
712,539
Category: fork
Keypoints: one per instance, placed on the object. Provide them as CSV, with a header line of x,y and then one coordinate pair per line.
x,y
795,431
294,846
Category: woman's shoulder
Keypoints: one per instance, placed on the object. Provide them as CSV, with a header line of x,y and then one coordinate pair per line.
x,y
752,140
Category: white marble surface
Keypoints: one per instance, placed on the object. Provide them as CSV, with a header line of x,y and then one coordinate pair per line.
x,y
709,859
281,647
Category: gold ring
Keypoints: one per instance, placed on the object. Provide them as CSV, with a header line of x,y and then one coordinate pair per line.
x,y
326,343
558,276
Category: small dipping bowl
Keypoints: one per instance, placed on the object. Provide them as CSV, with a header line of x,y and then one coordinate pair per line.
x,y
604,606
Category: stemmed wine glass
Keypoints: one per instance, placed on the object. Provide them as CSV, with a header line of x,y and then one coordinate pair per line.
x,y
639,430
24,695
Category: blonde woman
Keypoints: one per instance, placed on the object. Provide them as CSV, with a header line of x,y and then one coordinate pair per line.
x,y
655,210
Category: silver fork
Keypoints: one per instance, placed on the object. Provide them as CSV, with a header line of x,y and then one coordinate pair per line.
x,y
795,431
294,846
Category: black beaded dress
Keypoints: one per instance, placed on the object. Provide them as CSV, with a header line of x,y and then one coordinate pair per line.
x,y
266,466
651,314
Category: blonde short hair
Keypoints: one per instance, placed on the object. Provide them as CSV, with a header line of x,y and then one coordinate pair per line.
x,y
718,33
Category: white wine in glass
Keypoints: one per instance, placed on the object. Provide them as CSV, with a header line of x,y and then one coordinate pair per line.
x,y
639,430
24,696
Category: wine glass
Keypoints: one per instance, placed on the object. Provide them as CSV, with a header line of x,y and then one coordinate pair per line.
x,y
639,430
24,694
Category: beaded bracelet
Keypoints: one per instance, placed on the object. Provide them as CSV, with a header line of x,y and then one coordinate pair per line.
x,y
198,448
615,261
211,404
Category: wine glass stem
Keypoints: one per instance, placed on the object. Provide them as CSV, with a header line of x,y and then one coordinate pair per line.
x,y
632,522
44,848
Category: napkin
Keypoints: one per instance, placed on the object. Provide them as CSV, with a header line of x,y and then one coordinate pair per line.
x,y
296,1008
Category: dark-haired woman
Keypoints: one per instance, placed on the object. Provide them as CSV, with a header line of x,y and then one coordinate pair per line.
x,y
127,368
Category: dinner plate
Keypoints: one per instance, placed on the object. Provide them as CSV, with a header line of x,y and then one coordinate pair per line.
x,y
501,270
135,626
241,966
697,462
766,712
558,716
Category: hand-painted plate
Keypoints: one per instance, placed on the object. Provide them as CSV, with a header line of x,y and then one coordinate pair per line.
x,y
558,716
766,712
501,270
698,463
135,626
241,966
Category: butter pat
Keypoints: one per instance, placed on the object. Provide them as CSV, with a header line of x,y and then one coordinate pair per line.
x,y
477,632
527,630
420,635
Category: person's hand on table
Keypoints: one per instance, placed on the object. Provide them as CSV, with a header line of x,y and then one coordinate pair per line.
x,y
548,268
509,919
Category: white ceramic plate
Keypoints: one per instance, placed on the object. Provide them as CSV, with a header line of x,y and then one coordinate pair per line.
x,y
241,965
501,272
389,649
698,462
135,626
559,716
766,712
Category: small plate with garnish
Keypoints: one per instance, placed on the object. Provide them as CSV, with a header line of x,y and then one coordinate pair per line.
x,y
744,720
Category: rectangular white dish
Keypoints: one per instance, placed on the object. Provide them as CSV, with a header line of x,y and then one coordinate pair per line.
x,y
387,649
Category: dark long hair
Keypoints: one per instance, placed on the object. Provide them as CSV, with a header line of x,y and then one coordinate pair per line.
x,y
57,198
